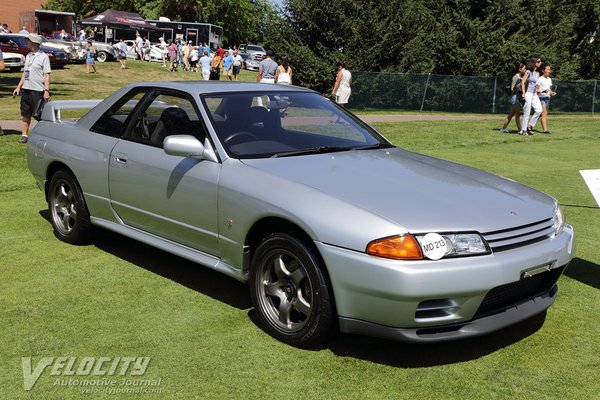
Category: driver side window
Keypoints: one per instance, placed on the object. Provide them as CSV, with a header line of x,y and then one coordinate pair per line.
x,y
167,114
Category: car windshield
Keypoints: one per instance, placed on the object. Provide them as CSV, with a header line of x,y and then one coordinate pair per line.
x,y
255,48
285,124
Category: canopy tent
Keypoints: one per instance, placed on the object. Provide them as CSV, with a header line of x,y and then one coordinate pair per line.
x,y
120,19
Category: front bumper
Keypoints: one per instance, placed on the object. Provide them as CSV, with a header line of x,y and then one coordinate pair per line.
x,y
426,301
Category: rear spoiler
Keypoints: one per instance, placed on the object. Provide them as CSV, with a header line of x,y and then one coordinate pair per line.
x,y
52,109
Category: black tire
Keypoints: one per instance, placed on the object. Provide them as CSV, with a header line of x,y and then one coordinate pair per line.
x,y
102,56
290,291
69,215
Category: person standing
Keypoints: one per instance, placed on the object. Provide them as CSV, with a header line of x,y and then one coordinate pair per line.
x,y
545,85
529,87
185,56
194,59
34,85
228,66
341,88
215,67
205,66
172,52
162,45
90,57
139,45
267,69
122,53
515,99
283,76
237,64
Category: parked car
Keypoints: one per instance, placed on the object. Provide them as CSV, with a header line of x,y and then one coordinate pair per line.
x,y
104,51
13,61
16,43
255,51
249,63
155,51
67,43
331,225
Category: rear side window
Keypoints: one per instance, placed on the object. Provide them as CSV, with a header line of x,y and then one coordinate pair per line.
x,y
113,121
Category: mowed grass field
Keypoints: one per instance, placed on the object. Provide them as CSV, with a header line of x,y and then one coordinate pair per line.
x,y
119,298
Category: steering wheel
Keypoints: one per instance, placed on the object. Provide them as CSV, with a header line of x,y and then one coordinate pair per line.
x,y
238,135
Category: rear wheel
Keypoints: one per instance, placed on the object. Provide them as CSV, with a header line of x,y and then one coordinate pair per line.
x,y
69,214
290,291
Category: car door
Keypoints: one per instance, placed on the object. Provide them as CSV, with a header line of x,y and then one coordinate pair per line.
x,y
168,196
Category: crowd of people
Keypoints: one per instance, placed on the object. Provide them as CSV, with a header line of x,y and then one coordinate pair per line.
x,y
531,88
34,85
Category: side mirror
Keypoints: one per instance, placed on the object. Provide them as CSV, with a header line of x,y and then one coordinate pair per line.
x,y
187,146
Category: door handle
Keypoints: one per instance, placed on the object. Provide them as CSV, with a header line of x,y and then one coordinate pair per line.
x,y
121,158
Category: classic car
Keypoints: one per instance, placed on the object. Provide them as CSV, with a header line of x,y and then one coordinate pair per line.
x,y
16,43
248,63
334,228
155,54
13,61
67,43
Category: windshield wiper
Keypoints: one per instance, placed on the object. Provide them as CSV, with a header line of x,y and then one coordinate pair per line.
x,y
374,146
312,150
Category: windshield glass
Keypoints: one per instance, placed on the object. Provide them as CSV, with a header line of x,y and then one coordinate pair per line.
x,y
255,48
284,124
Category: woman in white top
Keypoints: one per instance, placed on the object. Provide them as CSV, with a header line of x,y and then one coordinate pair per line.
x,y
341,89
283,76
529,89
545,84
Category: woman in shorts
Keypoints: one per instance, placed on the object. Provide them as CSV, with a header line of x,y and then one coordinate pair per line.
x,y
90,57
515,99
545,84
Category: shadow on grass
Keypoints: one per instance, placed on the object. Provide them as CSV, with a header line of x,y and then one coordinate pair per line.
x,y
585,272
189,274
186,273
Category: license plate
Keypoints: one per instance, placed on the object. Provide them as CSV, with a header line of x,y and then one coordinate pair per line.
x,y
536,270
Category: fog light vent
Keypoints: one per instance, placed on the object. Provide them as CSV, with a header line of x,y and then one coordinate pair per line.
x,y
435,309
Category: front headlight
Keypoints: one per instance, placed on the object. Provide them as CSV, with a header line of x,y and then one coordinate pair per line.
x,y
558,220
457,245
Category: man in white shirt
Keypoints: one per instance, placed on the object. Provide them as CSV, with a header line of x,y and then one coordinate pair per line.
x,y
34,85
237,64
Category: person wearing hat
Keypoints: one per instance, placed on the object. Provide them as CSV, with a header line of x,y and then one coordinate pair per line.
x,y
34,85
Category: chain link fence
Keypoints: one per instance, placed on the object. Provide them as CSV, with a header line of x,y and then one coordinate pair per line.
x,y
466,94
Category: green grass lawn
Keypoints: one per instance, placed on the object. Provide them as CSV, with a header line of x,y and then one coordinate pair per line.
x,y
119,298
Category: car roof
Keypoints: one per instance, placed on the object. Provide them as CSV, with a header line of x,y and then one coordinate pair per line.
x,y
220,87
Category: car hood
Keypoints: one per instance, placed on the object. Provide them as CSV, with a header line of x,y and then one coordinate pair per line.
x,y
418,192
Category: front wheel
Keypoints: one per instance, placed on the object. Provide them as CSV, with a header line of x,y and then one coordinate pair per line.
x,y
290,291
69,214
102,56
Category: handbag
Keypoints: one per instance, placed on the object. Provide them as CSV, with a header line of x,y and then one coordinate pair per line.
x,y
37,113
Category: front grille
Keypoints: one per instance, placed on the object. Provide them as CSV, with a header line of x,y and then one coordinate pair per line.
x,y
60,56
523,235
12,60
506,296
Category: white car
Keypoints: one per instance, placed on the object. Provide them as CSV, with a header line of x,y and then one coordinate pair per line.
x,y
13,61
155,51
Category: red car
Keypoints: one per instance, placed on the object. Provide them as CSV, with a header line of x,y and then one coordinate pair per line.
x,y
14,43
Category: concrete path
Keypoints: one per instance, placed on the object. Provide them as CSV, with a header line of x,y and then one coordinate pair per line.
x,y
14,126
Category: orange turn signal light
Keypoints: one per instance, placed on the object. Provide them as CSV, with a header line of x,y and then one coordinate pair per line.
x,y
400,247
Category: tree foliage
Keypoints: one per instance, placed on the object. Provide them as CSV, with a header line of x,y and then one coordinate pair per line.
x,y
454,37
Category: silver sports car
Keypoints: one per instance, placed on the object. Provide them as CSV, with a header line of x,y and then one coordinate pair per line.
x,y
332,226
